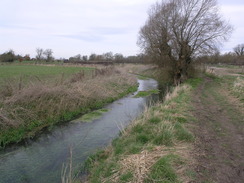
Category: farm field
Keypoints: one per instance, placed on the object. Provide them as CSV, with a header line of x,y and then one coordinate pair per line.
x,y
34,97
42,72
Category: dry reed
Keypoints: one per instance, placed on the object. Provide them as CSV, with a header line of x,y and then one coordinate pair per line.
x,y
23,103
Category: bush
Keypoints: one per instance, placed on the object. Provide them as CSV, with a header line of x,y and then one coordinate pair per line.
x,y
7,56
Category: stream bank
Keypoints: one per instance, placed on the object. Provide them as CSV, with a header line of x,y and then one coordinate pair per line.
x,y
42,160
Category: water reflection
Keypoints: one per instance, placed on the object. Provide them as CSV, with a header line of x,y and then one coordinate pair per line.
x,y
41,160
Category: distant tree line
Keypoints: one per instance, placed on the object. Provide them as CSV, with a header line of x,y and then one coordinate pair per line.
x,y
108,57
236,57
46,55
10,56
228,58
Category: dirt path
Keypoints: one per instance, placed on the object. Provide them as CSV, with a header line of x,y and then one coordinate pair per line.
x,y
219,130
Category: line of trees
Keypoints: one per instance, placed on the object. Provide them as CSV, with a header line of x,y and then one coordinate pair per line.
x,y
10,56
109,57
236,57
46,55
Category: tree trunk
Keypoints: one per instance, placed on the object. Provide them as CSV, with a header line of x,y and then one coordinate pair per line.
x,y
180,74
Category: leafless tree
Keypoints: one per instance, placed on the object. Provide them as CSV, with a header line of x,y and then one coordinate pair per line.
x,y
39,53
48,53
108,56
178,30
239,49
118,57
92,57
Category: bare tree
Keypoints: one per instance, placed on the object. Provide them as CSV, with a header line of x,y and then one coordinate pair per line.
x,y
39,53
118,57
92,57
48,53
108,56
178,30
239,49
84,58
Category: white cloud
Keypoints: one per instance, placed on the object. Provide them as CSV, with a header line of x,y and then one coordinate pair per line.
x,y
67,26
233,14
71,27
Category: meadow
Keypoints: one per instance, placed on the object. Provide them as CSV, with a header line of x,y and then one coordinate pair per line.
x,y
33,97
17,71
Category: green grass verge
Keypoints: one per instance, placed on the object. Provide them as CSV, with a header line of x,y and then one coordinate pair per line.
x,y
162,125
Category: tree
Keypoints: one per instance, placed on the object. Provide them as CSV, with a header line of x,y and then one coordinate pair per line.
x,y
239,49
84,58
178,30
108,56
77,58
118,57
92,57
39,53
27,57
48,53
8,56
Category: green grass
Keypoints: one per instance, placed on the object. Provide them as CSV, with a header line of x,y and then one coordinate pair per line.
x,y
162,170
126,177
33,127
142,77
15,71
146,93
236,86
161,125
41,105
194,82
92,115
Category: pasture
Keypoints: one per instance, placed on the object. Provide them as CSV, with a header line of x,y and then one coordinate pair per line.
x,y
26,71
34,97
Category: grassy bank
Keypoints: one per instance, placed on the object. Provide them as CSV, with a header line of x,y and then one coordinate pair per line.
x,y
154,148
29,106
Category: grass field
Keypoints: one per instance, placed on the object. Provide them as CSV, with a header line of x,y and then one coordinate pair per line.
x,y
36,97
16,71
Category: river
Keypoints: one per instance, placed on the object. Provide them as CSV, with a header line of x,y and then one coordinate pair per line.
x,y
42,159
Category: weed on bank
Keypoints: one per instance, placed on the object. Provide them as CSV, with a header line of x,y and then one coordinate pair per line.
x,y
154,148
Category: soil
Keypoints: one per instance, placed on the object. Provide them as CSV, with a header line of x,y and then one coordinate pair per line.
x,y
219,131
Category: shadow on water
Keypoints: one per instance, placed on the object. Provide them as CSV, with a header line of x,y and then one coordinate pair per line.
x,y
42,160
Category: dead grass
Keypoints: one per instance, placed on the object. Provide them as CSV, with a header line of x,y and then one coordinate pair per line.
x,y
124,165
59,101
238,85
140,164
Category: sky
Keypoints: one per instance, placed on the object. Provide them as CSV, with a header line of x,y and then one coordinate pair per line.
x,y
71,27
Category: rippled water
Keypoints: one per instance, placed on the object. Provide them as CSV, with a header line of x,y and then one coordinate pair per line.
x,y
42,160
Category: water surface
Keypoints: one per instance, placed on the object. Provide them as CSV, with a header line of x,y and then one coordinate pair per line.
x,y
42,160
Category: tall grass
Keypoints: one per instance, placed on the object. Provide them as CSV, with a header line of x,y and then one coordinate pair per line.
x,y
26,110
153,148
237,88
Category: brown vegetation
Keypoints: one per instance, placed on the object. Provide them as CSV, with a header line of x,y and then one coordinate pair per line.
x,y
41,103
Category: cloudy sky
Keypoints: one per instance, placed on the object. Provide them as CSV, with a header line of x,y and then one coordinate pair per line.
x,y
71,27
